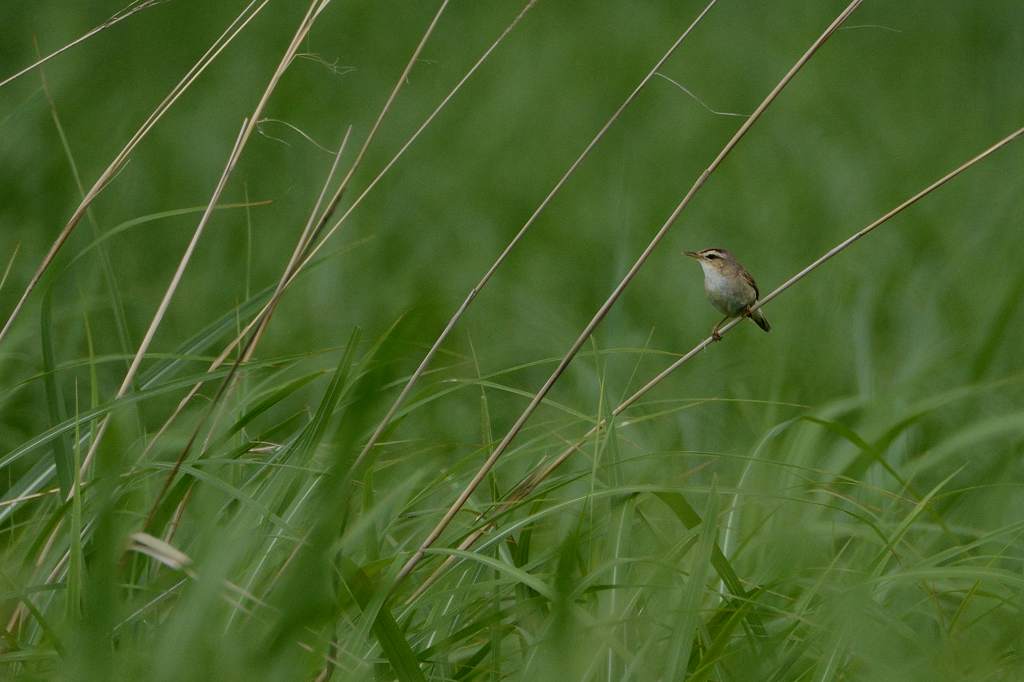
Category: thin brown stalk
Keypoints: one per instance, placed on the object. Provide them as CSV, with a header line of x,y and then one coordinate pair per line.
x,y
248,126
607,305
120,16
541,473
473,292
223,40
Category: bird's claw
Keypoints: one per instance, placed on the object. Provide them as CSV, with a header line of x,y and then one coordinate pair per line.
x,y
716,336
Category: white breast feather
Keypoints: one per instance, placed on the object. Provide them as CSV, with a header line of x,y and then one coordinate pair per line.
x,y
729,294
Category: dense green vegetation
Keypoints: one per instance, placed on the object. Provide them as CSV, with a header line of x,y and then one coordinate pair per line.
x,y
837,500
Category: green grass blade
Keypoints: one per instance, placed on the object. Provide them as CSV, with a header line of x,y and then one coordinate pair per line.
x,y
392,642
54,395
685,631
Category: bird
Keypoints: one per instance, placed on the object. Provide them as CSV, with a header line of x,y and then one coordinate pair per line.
x,y
729,287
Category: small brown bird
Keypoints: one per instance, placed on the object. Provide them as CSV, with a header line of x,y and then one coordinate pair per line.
x,y
729,287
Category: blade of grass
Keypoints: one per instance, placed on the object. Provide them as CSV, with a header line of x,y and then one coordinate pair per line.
x,y
106,267
689,517
139,221
994,339
76,559
685,632
392,642
54,396
10,264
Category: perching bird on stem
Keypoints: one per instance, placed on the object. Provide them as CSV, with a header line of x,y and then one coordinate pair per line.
x,y
729,287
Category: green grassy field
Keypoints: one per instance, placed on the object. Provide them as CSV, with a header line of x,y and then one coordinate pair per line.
x,y
837,500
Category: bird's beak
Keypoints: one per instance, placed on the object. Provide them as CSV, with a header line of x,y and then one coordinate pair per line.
x,y
692,254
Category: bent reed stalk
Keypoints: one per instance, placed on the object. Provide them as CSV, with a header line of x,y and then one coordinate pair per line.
x,y
607,305
530,482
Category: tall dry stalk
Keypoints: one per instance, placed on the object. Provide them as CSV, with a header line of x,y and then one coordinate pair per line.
x,y
607,305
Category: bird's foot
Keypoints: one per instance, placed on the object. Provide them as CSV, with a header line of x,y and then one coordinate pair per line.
x,y
716,335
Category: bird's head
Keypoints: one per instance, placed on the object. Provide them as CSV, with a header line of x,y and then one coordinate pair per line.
x,y
714,259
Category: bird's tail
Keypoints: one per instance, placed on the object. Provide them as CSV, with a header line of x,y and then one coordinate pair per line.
x,y
760,320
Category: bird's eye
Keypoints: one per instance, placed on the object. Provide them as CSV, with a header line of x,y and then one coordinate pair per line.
x,y
711,256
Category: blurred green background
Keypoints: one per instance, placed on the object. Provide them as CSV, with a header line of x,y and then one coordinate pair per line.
x,y
906,348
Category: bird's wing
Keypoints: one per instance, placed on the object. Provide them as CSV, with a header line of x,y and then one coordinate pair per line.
x,y
752,283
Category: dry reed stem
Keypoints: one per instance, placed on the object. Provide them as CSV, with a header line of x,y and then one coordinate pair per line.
x,y
222,41
473,292
530,483
607,305
121,15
